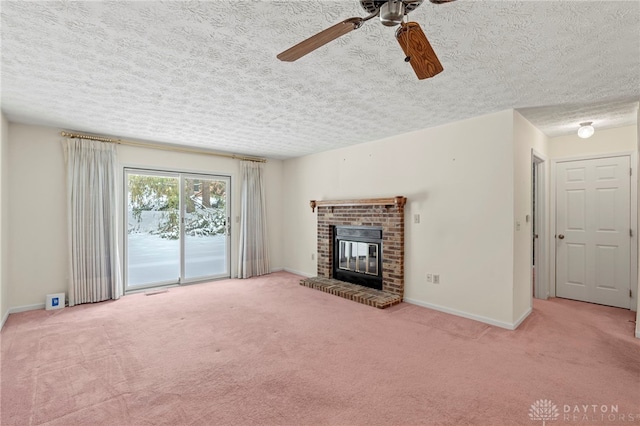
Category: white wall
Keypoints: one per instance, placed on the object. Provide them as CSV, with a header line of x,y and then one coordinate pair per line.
x,y
621,139
457,177
525,138
469,181
37,206
4,219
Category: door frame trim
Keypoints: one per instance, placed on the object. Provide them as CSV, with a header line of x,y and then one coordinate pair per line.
x,y
541,218
633,207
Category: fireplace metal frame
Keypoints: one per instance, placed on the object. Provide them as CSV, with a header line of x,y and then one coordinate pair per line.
x,y
365,234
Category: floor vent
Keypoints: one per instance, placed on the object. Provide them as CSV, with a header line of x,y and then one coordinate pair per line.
x,y
152,292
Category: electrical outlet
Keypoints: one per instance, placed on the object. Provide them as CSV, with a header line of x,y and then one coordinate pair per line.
x,y
429,278
313,256
436,278
416,218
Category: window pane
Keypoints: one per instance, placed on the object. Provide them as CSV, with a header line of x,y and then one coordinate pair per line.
x,y
351,254
342,256
153,230
205,220
373,259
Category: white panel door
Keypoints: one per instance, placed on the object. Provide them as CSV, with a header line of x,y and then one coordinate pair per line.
x,y
593,231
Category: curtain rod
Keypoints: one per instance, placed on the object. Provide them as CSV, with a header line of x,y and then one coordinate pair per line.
x,y
163,147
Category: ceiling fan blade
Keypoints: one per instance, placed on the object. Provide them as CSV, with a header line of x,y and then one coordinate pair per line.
x,y
320,39
417,48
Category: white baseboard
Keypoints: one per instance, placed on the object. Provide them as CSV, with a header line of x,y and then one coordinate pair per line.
x,y
486,320
17,309
302,274
4,319
276,269
522,318
25,308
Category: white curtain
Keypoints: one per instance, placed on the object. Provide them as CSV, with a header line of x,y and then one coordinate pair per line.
x,y
254,252
94,263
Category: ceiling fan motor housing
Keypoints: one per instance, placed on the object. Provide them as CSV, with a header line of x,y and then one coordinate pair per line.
x,y
371,6
391,13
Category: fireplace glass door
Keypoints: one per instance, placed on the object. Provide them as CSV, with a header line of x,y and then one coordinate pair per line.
x,y
359,257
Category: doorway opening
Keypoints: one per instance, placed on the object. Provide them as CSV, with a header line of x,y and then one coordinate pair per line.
x,y
177,228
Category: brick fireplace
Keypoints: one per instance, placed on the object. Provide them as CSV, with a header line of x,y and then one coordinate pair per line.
x,y
386,214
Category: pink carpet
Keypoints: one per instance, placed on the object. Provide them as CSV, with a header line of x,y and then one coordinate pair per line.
x,y
269,351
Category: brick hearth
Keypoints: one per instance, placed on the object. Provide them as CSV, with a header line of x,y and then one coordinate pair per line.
x,y
387,213
357,293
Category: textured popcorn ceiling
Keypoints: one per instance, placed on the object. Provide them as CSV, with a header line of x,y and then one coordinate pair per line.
x,y
205,74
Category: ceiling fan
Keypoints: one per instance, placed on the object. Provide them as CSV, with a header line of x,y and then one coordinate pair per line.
x,y
417,49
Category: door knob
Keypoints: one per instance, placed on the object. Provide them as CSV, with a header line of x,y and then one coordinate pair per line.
x,y
561,236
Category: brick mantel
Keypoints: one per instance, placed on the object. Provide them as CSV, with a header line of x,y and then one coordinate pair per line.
x,y
386,213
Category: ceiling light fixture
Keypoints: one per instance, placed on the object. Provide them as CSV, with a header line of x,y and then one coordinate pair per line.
x,y
586,130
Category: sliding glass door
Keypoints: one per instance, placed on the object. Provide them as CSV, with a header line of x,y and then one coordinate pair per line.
x,y
177,228
205,227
